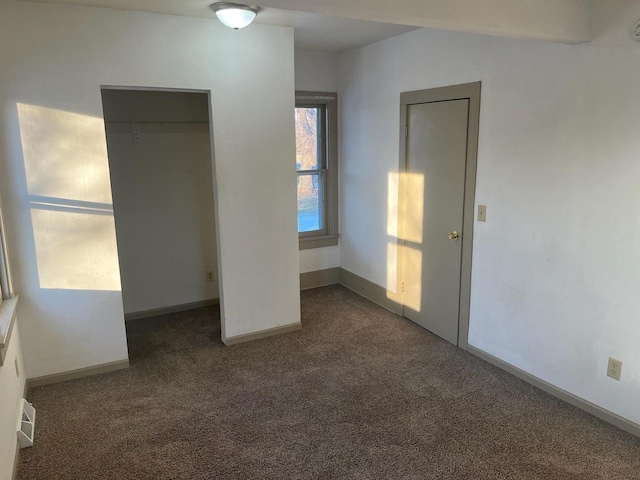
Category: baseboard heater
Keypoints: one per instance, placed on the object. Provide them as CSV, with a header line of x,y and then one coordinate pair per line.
x,y
26,424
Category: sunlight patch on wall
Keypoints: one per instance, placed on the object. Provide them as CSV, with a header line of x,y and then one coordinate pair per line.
x,y
65,154
393,184
75,251
392,270
69,195
392,231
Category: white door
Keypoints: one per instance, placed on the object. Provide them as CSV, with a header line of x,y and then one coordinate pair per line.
x,y
436,154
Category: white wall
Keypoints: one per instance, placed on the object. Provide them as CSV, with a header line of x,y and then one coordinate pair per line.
x,y
556,268
11,391
163,198
317,72
55,178
315,259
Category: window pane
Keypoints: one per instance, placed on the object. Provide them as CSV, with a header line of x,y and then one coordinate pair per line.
x,y
307,138
310,202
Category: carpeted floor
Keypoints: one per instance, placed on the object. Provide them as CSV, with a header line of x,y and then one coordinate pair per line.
x,y
359,393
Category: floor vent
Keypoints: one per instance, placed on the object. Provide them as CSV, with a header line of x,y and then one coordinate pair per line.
x,y
26,424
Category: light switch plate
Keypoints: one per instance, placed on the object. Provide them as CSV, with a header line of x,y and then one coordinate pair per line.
x,y
482,213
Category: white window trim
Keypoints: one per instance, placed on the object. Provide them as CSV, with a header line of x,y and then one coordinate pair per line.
x,y
8,301
330,235
8,311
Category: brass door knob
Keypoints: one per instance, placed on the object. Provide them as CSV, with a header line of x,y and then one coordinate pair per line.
x,y
454,235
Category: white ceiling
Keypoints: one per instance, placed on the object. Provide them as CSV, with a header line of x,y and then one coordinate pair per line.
x,y
323,33
339,25
562,21
313,32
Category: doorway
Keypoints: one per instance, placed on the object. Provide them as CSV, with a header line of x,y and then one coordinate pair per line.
x,y
161,166
438,156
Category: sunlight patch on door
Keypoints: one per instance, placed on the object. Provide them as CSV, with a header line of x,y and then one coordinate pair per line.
x,y
414,207
413,269
405,233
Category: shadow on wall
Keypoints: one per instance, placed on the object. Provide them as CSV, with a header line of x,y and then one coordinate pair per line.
x,y
70,201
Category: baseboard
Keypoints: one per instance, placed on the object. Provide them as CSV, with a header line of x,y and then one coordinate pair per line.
x,y
16,461
308,280
601,413
378,295
156,312
269,332
319,278
79,373
369,290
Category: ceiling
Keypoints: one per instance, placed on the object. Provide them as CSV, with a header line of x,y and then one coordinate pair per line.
x,y
339,25
323,33
313,31
562,21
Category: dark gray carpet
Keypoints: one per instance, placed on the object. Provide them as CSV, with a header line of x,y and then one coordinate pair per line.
x,y
358,393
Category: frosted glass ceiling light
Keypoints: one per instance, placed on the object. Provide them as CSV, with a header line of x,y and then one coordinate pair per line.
x,y
235,15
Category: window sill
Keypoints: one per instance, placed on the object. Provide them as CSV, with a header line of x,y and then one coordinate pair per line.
x,y
319,241
7,319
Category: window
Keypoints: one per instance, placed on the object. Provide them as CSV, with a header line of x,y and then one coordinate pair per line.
x,y
7,305
316,164
5,288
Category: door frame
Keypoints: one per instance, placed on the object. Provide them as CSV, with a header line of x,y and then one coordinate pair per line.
x,y
471,92
216,214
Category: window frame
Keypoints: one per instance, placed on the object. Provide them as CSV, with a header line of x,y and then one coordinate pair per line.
x,y
322,172
8,301
328,154
5,276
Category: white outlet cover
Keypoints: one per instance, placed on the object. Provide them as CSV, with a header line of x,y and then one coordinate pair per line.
x,y
614,368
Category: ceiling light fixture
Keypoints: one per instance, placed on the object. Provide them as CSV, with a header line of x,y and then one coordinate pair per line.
x,y
235,15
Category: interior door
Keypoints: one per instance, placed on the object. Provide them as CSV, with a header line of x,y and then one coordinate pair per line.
x,y
436,152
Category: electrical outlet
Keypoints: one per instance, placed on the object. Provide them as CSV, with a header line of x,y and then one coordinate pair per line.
x,y
15,362
614,370
210,276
